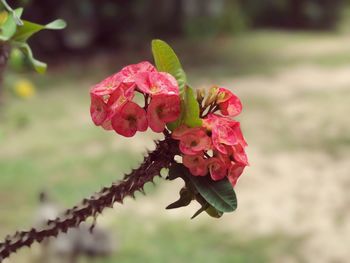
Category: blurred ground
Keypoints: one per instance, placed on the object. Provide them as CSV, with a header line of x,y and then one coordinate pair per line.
x,y
293,200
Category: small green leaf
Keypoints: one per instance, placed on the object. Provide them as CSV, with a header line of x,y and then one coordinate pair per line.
x,y
200,210
167,61
218,194
209,209
39,66
213,212
191,112
8,28
18,13
15,13
29,28
185,199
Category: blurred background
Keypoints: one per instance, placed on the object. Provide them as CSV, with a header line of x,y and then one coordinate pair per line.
x,y
288,60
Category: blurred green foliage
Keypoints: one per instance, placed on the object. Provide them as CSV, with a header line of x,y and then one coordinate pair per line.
x,y
132,23
298,14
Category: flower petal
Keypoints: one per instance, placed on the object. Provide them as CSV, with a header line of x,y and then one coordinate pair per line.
x,y
197,164
234,173
98,109
129,119
162,109
217,168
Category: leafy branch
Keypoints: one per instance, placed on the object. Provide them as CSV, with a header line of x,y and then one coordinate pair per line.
x,y
15,32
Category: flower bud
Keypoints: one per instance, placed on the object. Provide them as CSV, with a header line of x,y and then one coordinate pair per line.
x,y
200,95
212,94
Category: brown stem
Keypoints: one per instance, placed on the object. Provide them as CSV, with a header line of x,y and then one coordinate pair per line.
x,y
161,157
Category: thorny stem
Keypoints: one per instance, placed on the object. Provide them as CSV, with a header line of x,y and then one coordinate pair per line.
x,y
161,157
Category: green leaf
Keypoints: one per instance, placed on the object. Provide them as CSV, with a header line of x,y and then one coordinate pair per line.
x,y
16,13
173,125
213,212
185,199
199,211
191,112
29,28
218,194
167,61
8,28
39,66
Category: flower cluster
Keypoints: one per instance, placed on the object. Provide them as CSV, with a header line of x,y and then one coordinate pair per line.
x,y
113,103
217,147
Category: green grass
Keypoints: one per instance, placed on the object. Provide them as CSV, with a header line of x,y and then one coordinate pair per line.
x,y
189,241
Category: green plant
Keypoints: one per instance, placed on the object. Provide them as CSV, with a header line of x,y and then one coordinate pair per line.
x,y
15,32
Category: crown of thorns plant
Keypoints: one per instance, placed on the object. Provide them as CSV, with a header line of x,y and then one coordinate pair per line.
x,y
198,126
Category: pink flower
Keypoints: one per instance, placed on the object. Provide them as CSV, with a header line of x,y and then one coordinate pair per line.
x,y
234,173
217,168
162,109
129,72
98,109
240,155
157,83
192,140
118,98
107,125
126,75
129,119
107,86
229,103
225,131
196,164
181,131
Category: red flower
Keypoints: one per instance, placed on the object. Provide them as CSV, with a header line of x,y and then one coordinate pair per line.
x,y
225,132
107,86
217,168
196,164
157,83
192,140
240,155
129,72
126,75
224,138
118,98
129,119
162,109
229,103
234,173
98,109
